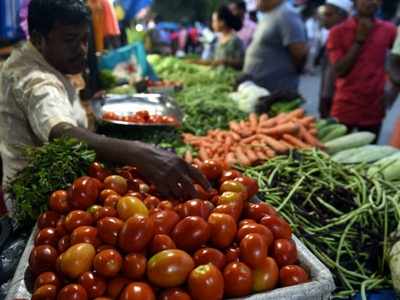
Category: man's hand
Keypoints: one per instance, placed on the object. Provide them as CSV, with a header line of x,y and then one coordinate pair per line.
x,y
363,29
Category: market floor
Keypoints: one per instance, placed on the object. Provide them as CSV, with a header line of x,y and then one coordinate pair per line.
x,y
309,88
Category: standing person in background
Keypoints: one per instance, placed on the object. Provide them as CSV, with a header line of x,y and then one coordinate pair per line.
x,y
278,52
333,13
357,50
394,74
249,27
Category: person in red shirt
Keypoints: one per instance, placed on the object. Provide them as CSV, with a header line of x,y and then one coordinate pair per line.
x,y
357,49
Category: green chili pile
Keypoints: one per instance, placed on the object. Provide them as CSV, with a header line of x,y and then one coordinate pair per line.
x,y
340,214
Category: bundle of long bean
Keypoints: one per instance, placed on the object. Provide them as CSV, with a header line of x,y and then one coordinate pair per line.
x,y
344,217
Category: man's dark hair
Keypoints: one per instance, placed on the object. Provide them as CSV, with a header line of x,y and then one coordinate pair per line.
x,y
44,14
229,19
241,5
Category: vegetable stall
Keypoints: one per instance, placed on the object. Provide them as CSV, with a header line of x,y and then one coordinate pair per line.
x,y
299,206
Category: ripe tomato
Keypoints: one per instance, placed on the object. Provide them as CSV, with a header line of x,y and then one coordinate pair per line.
x,y
233,186
293,275
64,243
256,228
58,202
284,252
211,169
93,209
48,219
279,227
166,205
245,222
130,206
228,197
259,210
77,260
104,194
238,280
151,202
265,276
233,209
95,286
112,200
229,175
45,292
97,170
174,294
42,259
107,263
169,268
136,233
232,255
85,234
250,184
72,291
47,236
46,278
60,227
206,282
84,192
116,183
195,207
116,285
103,212
161,242
78,218
223,229
134,266
191,233
205,256
138,291
253,249
108,229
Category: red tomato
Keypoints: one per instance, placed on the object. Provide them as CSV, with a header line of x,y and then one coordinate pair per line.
x,y
108,229
195,207
72,291
48,219
250,183
42,259
164,221
64,243
138,291
232,255
47,236
265,276
134,266
229,175
166,205
191,233
85,234
205,256
245,222
60,227
233,209
259,210
104,194
116,285
45,292
253,249
78,218
238,280
95,286
161,242
46,278
174,294
84,192
107,263
103,212
136,234
223,229
116,183
211,169
97,170
279,227
206,282
151,202
112,200
284,252
169,268
58,202
256,228
104,247
293,275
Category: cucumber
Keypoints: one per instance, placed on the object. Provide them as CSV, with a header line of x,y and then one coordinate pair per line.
x,y
365,154
349,141
382,164
333,132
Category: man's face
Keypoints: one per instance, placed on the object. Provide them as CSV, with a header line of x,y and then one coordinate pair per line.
x,y
65,48
216,24
330,16
367,8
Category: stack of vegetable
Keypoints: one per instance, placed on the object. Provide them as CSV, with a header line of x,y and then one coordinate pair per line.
x,y
340,213
257,139
109,236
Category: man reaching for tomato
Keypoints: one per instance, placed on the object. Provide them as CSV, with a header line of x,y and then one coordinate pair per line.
x,y
39,104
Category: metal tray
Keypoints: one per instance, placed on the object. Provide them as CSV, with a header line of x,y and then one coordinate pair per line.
x,y
124,105
320,288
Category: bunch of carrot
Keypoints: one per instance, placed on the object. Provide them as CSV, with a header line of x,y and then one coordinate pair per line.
x,y
256,140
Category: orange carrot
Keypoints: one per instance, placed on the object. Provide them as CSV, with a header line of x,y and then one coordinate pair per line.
x,y
188,157
277,146
250,139
236,137
307,121
242,158
263,118
203,155
230,159
313,131
289,128
290,146
267,124
197,161
251,155
261,156
295,141
253,122
234,126
309,138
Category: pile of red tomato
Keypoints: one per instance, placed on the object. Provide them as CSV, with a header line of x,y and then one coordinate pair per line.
x,y
110,237
141,117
